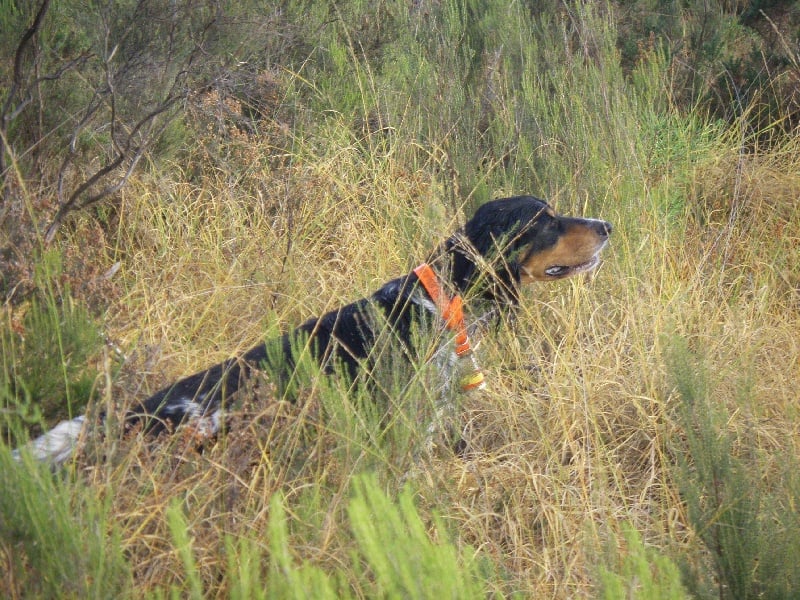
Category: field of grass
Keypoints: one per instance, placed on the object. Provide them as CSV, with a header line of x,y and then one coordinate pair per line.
x,y
638,437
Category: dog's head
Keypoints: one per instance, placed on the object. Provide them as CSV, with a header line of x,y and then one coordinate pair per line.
x,y
519,240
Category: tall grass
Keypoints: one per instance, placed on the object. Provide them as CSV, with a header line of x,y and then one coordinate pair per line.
x,y
579,439
58,538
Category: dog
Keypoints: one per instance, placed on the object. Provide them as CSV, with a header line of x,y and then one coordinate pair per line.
x,y
508,243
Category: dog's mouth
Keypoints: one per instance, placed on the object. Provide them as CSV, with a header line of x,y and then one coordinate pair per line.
x,y
561,271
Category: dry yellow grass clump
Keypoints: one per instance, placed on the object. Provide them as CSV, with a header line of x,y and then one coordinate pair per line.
x,y
575,435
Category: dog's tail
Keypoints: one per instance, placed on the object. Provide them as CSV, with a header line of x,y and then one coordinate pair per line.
x,y
198,398
56,445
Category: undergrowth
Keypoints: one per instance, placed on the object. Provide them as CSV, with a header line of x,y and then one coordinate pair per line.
x,y
602,459
739,499
50,346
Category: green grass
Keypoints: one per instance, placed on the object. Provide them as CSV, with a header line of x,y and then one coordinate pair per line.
x,y
641,573
58,538
588,471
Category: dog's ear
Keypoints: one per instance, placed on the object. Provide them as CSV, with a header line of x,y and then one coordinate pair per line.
x,y
482,266
461,260
493,241
499,231
502,226
488,229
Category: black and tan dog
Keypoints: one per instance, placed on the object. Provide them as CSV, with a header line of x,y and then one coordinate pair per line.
x,y
507,243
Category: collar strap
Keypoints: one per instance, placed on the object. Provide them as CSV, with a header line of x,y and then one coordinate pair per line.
x,y
452,313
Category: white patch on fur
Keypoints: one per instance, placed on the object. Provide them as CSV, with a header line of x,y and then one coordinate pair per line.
x,y
184,406
208,425
205,424
425,303
449,367
56,445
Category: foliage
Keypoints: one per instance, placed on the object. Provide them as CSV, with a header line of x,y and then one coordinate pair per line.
x,y
641,573
400,553
394,555
57,538
334,146
48,349
726,57
742,510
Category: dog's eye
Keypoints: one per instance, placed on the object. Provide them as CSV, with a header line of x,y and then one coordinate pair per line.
x,y
553,225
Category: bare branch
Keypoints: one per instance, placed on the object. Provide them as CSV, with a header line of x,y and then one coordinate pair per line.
x,y
125,153
20,107
23,43
125,69
16,83
67,66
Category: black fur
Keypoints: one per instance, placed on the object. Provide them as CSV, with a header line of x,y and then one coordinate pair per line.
x,y
481,261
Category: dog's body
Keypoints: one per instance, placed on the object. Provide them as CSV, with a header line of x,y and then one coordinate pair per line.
x,y
507,243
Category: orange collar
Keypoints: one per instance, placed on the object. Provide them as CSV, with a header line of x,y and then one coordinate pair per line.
x,y
452,312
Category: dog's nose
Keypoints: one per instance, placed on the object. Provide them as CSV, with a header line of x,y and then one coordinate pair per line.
x,y
604,228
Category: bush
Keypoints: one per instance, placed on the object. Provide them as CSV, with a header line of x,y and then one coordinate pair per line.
x,y
48,353
395,556
56,537
743,513
640,573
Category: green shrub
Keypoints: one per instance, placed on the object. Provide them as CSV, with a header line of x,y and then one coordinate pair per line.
x,y
743,513
57,537
47,361
640,573
396,555
396,545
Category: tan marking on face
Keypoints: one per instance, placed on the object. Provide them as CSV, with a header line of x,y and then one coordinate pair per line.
x,y
577,249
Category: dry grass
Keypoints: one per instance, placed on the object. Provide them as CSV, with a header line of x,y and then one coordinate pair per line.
x,y
575,434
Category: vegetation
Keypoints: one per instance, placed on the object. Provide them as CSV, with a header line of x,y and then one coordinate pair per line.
x,y
638,437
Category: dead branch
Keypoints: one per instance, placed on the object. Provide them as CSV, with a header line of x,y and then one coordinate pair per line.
x,y
6,113
125,111
126,153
